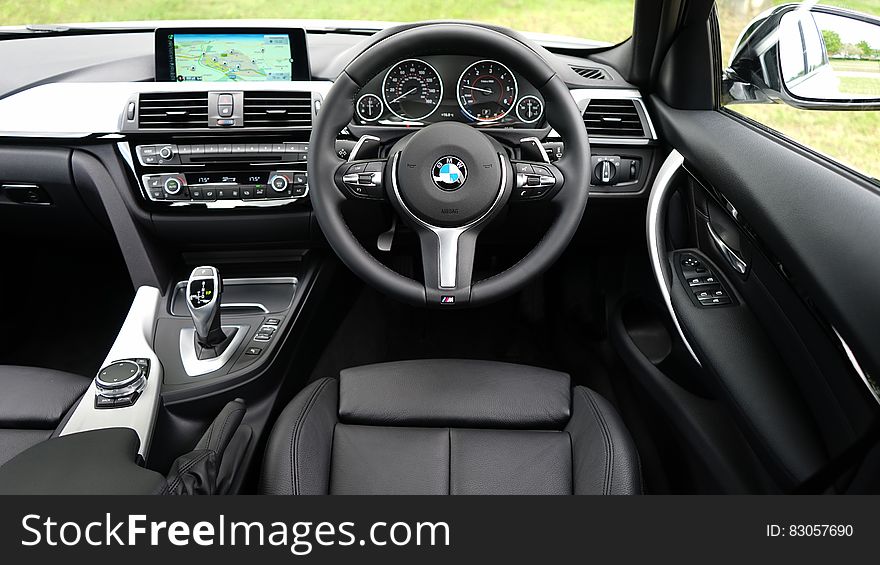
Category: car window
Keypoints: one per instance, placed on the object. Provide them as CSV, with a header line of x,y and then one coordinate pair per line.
x,y
606,21
850,137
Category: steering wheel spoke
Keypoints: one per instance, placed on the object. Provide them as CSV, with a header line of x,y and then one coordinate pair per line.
x,y
362,180
448,263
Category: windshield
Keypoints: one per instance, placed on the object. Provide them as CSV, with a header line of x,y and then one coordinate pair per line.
x,y
608,21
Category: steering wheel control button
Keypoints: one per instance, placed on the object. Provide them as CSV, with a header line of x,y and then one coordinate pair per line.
x,y
532,181
364,179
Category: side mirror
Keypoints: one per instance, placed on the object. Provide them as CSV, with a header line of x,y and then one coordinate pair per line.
x,y
809,57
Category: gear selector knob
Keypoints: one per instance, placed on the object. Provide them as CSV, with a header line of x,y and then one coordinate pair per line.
x,y
203,293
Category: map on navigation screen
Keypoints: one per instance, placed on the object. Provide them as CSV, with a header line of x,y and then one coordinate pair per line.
x,y
232,57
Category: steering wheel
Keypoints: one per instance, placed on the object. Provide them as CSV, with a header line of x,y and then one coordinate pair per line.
x,y
447,206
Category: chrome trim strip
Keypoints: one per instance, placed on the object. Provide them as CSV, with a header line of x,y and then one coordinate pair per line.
x,y
869,382
256,305
134,341
656,206
734,260
447,238
194,366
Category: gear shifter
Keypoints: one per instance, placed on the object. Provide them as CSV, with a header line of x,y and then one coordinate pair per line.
x,y
203,292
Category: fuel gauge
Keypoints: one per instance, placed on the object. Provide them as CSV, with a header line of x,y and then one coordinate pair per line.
x,y
370,107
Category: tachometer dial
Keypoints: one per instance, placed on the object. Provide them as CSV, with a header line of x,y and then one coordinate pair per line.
x,y
412,89
529,109
369,107
487,91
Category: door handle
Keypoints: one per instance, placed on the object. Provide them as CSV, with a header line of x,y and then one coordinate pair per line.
x,y
733,259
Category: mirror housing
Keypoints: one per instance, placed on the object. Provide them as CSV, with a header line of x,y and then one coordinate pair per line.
x,y
783,56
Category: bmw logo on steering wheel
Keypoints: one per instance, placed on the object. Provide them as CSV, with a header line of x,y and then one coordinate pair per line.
x,y
449,173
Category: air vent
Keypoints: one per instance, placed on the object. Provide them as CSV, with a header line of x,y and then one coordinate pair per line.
x,y
613,118
591,73
277,109
173,110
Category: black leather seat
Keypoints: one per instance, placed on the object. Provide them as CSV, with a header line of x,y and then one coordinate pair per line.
x,y
449,427
33,403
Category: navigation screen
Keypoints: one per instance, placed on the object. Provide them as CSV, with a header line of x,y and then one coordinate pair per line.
x,y
232,57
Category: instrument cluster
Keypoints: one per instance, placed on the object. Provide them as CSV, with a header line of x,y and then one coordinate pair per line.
x,y
421,91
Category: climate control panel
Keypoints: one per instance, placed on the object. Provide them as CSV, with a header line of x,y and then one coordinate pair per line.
x,y
243,186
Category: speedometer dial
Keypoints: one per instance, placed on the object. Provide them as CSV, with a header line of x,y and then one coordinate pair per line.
x,y
412,89
487,91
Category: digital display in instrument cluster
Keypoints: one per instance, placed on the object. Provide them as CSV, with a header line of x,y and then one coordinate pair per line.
x,y
484,93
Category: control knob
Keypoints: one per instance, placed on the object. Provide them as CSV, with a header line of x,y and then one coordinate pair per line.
x,y
173,185
279,183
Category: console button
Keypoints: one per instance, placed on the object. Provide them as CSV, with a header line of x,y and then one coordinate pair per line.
x,y
260,192
253,351
272,321
247,192
211,148
184,149
173,186
238,147
224,110
157,194
265,148
279,183
150,159
127,400
104,402
197,193
224,100
210,194
224,148
277,148
198,149
148,149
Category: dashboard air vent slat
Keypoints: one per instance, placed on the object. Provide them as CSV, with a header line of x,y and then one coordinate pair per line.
x,y
175,110
613,118
591,73
277,109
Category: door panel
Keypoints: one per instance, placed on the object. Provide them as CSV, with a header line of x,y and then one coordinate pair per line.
x,y
769,223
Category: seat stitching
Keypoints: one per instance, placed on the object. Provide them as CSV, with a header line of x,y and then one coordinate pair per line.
x,y
294,438
609,445
189,465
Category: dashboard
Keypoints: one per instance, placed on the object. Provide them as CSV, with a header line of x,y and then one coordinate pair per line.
x,y
204,132
425,90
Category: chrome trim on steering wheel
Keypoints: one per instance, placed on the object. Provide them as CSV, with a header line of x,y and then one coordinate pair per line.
x,y
447,238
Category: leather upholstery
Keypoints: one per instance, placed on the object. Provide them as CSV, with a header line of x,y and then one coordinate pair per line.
x,y
33,402
444,392
449,427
